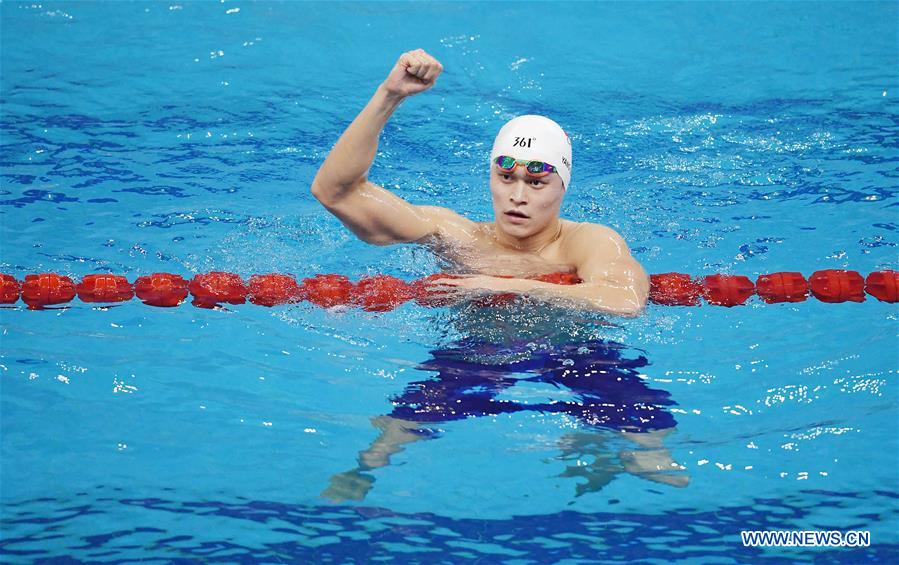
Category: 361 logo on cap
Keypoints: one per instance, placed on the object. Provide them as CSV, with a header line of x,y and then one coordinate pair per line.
x,y
523,141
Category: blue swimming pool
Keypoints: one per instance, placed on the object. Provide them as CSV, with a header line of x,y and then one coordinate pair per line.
x,y
182,136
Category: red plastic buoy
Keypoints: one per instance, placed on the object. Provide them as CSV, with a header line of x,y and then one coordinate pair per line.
x,y
782,287
272,289
327,290
426,294
381,293
883,285
727,290
46,289
674,289
104,288
560,278
211,289
836,285
10,289
161,289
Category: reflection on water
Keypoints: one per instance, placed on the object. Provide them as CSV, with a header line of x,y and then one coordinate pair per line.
x,y
596,385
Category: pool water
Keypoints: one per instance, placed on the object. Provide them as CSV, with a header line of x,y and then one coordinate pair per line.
x,y
182,137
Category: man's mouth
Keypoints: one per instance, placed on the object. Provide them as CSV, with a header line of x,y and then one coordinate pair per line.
x,y
517,214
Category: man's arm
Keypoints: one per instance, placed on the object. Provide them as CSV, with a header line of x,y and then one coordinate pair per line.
x,y
374,214
614,282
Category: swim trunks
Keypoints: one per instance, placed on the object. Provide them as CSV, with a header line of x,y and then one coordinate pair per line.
x,y
597,383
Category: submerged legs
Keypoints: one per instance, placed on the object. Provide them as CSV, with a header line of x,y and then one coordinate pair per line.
x,y
355,483
653,462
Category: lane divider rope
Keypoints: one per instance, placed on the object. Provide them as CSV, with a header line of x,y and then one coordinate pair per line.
x,y
383,292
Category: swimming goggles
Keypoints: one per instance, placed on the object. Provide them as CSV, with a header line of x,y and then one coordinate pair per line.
x,y
534,168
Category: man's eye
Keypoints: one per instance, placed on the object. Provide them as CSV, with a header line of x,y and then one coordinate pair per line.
x,y
506,177
537,183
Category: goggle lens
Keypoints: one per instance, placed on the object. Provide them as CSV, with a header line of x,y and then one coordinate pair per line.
x,y
535,167
506,163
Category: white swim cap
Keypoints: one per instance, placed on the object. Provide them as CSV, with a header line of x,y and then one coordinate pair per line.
x,y
535,138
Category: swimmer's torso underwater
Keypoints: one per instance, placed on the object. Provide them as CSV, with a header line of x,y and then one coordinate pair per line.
x,y
525,358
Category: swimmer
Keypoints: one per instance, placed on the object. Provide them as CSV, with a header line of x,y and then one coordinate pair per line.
x,y
530,172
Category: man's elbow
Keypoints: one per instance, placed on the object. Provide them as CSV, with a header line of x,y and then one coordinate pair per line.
x,y
636,306
626,310
329,195
627,307
321,193
632,311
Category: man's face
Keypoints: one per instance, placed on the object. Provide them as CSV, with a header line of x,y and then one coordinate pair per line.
x,y
523,204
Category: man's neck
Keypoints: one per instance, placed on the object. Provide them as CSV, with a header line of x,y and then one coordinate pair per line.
x,y
531,244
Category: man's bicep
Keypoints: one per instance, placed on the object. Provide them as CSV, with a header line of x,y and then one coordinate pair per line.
x,y
625,272
448,225
622,270
378,216
601,255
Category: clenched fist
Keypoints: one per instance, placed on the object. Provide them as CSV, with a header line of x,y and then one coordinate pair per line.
x,y
414,72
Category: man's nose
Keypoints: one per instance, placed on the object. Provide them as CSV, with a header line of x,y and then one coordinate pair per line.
x,y
519,192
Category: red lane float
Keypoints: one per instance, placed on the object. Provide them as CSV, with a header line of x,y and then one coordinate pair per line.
x,y
381,293
161,289
560,278
782,287
427,294
273,289
46,289
835,285
727,290
212,289
328,290
674,289
104,288
883,285
10,289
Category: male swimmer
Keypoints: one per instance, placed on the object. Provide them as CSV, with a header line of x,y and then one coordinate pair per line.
x,y
530,172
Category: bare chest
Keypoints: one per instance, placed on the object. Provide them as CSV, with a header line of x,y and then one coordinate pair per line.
x,y
481,254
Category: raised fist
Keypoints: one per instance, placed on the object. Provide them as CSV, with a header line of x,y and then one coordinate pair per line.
x,y
414,72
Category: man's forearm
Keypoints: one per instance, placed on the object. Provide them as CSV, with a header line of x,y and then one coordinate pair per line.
x,y
352,155
608,298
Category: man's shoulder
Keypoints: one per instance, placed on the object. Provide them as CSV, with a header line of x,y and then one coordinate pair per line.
x,y
588,242
597,250
587,233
